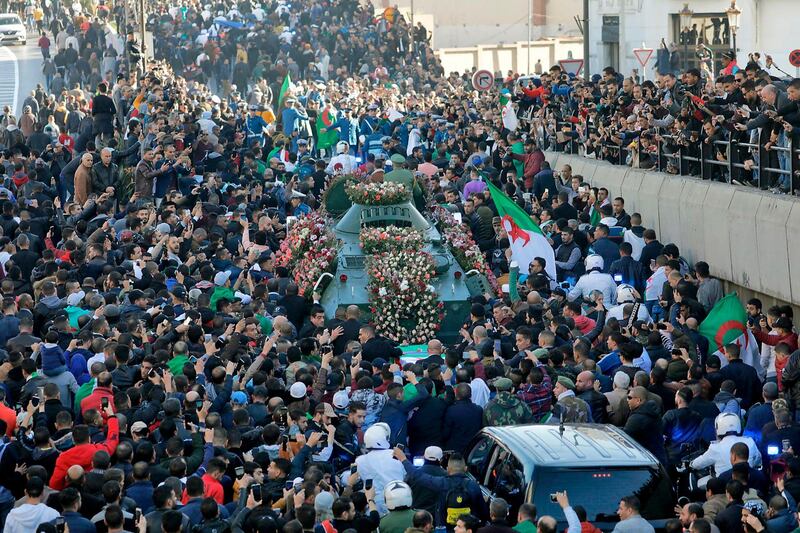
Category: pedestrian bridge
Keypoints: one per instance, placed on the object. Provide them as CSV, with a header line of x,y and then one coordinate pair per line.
x,y
747,236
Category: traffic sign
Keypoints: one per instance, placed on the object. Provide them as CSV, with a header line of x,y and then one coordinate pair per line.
x,y
794,58
643,55
482,80
571,66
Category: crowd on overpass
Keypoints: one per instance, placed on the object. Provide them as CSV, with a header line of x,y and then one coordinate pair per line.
x,y
159,355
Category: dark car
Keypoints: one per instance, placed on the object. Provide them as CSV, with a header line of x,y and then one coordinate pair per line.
x,y
596,464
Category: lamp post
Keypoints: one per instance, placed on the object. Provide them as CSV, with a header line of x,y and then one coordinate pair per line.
x,y
733,13
686,24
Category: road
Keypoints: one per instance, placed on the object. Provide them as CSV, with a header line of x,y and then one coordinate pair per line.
x,y
22,69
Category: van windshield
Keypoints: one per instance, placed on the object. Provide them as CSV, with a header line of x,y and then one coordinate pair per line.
x,y
599,491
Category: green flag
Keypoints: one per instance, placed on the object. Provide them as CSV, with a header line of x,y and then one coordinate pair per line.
x,y
526,238
287,82
326,135
594,215
727,323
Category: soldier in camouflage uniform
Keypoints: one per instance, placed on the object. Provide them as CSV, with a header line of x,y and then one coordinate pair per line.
x,y
506,409
569,407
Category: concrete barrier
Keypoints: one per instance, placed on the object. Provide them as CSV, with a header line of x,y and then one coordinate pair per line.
x,y
746,236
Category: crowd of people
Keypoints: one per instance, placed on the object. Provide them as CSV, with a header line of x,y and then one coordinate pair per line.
x,y
160,369
739,127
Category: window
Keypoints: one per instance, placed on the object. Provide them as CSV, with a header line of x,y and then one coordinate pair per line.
x,y
478,458
599,491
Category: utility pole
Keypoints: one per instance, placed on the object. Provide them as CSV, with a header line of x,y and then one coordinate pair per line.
x,y
528,72
142,19
586,72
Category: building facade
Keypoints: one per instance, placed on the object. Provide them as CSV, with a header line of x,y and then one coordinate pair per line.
x,y
617,27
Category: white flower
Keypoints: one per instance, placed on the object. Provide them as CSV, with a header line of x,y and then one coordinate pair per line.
x,y
382,291
404,285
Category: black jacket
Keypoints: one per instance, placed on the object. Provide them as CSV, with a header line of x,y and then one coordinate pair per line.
x,y
645,427
425,425
462,421
379,347
597,403
730,519
748,384
426,498
650,251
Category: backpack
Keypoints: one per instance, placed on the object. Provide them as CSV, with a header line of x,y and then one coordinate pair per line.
x,y
456,503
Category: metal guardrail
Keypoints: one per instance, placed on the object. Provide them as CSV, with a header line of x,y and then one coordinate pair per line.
x,y
696,159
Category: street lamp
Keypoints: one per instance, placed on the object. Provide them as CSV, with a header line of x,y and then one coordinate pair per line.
x,y
686,25
733,13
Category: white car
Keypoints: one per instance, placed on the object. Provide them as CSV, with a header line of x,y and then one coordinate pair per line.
x,y
12,30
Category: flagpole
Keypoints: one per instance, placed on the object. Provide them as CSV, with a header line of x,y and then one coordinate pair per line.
x,y
528,72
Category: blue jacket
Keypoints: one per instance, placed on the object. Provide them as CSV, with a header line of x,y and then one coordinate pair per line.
x,y
52,357
142,493
193,513
77,523
462,421
77,364
608,250
9,328
444,484
395,413
758,416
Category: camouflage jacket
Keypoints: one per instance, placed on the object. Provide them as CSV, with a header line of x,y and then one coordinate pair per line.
x,y
570,408
506,409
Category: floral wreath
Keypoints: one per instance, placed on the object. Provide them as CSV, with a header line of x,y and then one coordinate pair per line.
x,y
389,239
386,193
308,251
405,306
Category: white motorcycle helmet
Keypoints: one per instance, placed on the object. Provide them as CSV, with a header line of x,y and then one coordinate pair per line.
x,y
727,424
342,147
377,437
397,494
594,262
626,294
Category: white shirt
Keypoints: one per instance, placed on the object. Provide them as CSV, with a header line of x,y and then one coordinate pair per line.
x,y
617,312
595,280
342,164
381,467
636,242
719,454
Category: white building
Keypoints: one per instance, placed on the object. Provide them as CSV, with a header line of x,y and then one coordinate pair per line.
x,y
466,23
617,27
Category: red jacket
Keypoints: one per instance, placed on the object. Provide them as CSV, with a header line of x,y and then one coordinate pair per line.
x,y
774,340
213,489
94,400
82,455
531,165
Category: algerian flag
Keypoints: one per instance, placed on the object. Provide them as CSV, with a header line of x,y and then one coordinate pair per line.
x,y
510,117
727,323
594,215
526,238
505,97
287,84
325,120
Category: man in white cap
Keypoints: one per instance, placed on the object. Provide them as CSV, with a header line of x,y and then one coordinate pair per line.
x,y
223,289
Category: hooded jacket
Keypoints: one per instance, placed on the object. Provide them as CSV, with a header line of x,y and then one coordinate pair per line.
x,y
27,517
644,425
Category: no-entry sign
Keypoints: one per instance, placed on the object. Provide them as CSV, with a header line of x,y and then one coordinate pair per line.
x,y
482,80
794,58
